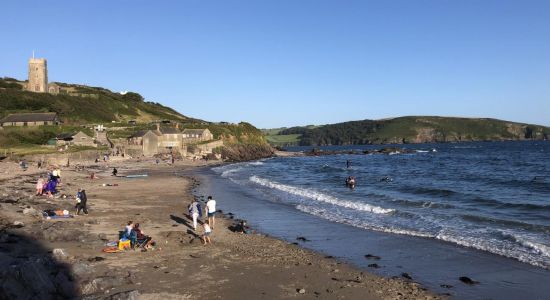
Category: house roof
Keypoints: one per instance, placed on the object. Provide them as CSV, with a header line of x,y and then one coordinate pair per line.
x,y
140,133
65,136
30,117
169,130
194,131
69,135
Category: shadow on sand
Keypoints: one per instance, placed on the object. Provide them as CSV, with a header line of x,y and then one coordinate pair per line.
x,y
187,222
28,270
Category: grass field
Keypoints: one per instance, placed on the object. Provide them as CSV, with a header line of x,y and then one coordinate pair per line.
x,y
283,140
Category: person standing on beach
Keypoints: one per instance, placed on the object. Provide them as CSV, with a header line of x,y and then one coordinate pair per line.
x,y
211,211
194,210
81,205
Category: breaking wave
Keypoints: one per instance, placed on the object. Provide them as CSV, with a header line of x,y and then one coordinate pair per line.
x,y
315,195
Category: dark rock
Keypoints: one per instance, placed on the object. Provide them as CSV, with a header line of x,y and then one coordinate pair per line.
x,y
376,266
447,286
467,280
302,239
406,275
128,295
96,259
370,256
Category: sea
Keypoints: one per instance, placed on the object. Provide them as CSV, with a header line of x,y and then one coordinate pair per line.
x,y
437,212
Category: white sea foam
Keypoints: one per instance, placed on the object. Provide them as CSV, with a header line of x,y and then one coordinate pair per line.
x,y
345,219
540,259
318,196
226,173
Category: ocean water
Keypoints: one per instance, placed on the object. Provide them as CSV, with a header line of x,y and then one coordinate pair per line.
x,y
490,196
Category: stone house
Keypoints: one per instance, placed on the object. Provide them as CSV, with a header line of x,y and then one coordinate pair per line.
x,y
167,140
75,139
30,119
196,135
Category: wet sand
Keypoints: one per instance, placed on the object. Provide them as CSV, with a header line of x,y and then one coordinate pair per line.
x,y
234,266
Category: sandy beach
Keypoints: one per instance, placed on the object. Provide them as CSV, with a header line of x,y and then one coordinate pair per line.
x,y
47,259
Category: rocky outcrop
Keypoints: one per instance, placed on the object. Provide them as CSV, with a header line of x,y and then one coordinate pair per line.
x,y
246,152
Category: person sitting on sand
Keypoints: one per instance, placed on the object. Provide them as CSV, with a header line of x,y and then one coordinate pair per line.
x,y
129,228
143,239
241,227
211,211
206,235
115,172
39,186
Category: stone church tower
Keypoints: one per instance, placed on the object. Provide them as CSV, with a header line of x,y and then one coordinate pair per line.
x,y
38,75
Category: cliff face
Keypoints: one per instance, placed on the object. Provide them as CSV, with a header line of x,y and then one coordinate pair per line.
x,y
415,130
246,152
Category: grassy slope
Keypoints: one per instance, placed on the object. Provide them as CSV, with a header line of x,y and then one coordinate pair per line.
x,y
95,105
91,105
411,129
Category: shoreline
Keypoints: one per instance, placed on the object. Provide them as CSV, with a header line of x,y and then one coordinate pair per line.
x,y
437,264
235,266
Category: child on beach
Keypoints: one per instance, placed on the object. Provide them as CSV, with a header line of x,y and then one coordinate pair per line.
x,y
39,185
207,231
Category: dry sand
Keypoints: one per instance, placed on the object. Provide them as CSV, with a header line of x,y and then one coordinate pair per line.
x,y
234,266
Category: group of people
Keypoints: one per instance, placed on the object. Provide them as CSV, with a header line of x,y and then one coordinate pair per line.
x,y
195,212
48,185
133,232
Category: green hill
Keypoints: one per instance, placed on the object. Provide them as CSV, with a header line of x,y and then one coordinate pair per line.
x,y
79,104
412,129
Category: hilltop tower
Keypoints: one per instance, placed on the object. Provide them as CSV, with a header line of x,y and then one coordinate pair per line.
x,y
38,75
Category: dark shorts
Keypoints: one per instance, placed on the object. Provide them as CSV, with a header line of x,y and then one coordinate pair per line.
x,y
211,214
207,234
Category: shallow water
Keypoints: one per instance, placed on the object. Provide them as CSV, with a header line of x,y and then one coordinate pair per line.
x,y
477,202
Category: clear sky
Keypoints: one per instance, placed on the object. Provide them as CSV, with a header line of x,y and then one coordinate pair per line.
x,y
296,62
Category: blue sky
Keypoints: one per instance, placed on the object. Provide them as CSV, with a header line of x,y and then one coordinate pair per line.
x,y
294,62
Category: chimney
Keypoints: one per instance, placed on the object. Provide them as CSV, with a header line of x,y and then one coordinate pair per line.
x,y
158,127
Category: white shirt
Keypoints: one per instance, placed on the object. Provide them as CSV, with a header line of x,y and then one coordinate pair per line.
x,y
128,229
207,228
211,205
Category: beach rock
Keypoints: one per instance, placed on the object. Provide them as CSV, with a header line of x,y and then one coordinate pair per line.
x,y
35,277
406,275
65,286
59,253
301,291
467,280
57,233
447,286
82,270
18,224
302,239
30,211
129,295
376,266
370,256
96,259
